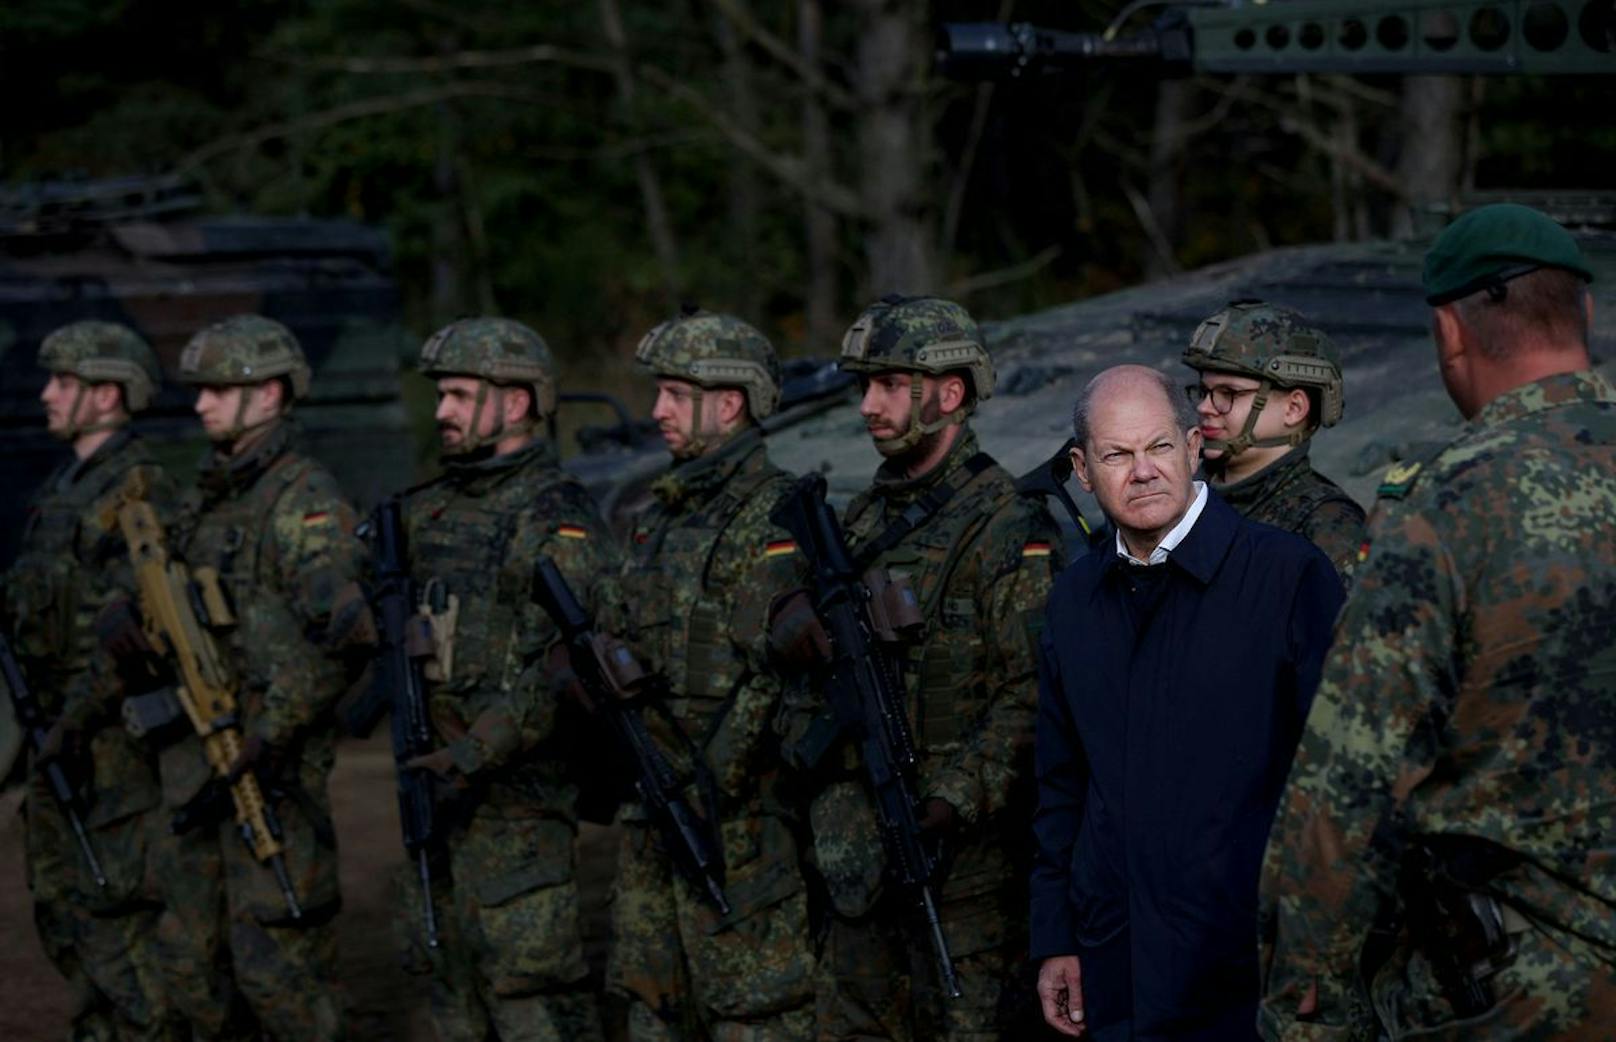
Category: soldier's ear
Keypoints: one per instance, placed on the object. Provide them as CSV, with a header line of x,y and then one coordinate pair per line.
x,y
1298,406
731,407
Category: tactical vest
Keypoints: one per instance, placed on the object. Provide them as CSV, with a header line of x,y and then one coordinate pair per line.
x,y
679,581
945,669
469,544
232,534
55,589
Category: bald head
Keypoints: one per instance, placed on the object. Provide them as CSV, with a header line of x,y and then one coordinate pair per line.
x,y
1137,447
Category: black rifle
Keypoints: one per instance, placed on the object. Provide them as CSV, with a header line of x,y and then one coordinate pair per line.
x,y
866,696
399,690
31,720
1049,479
613,680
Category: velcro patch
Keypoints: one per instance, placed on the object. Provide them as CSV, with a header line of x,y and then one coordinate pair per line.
x,y
1035,549
319,517
780,547
572,532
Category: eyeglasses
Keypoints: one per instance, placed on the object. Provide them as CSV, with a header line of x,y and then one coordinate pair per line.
x,y
1223,398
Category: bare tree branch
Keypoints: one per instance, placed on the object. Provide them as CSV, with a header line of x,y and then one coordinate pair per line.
x,y
782,52
1004,276
1152,228
787,168
534,55
378,106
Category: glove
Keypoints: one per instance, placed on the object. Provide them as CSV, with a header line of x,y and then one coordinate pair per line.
x,y
936,815
797,639
441,763
118,629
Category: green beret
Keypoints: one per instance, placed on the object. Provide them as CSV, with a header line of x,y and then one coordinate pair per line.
x,y
1491,245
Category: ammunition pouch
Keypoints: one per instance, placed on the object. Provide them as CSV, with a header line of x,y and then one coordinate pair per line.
x,y
1463,930
156,716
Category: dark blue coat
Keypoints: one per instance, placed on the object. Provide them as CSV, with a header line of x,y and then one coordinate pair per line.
x,y
1164,739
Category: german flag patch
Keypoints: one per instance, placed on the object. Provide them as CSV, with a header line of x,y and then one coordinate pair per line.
x,y
572,532
1363,551
1035,549
319,517
780,547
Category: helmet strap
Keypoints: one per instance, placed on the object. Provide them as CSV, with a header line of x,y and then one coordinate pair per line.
x,y
1247,438
74,429
919,428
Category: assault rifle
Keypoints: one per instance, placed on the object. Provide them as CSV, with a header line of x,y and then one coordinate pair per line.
x,y
613,679
31,721
399,690
182,609
866,694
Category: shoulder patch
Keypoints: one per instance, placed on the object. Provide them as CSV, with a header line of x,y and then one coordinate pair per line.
x,y
1035,548
1399,480
780,547
318,517
567,531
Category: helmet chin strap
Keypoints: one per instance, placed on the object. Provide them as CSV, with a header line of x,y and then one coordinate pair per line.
x,y
239,427
918,429
1247,438
73,429
701,439
473,441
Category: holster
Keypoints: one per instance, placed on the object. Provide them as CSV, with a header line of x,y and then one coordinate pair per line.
x,y
1453,918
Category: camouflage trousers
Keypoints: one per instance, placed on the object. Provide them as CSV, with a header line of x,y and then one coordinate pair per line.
x,y
100,939
692,975
1556,989
235,962
509,964
878,979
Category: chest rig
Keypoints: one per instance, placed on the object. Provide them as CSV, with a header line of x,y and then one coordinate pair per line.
x,y
945,666
681,581
56,587
473,559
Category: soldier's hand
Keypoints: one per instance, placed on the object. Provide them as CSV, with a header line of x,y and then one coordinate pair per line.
x,y
936,815
440,763
118,629
1060,993
60,742
564,679
255,752
796,636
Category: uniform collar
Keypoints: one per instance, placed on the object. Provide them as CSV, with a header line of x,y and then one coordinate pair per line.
x,y
223,475
702,477
894,486
1584,385
1254,488
74,469
491,470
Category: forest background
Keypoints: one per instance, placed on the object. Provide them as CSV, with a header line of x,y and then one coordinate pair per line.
x,y
587,166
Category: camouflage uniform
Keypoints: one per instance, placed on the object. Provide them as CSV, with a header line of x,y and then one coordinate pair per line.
x,y
1273,345
69,568
982,565
511,962
1469,704
705,564
281,534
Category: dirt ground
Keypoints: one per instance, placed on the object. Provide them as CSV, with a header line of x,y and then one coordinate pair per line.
x,y
385,1004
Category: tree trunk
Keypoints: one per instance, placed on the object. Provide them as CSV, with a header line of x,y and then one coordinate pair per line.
x,y
1163,193
894,147
744,191
1431,157
657,224
824,325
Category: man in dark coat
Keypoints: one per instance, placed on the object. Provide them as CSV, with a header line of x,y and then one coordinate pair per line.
x,y
1175,675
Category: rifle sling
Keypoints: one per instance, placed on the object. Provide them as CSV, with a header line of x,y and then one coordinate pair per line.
x,y
917,513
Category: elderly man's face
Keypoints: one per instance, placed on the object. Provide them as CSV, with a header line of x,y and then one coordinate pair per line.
x,y
1138,462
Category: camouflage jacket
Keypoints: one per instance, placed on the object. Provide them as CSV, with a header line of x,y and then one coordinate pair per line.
x,y
981,566
476,533
1290,494
1471,692
70,567
281,534
705,563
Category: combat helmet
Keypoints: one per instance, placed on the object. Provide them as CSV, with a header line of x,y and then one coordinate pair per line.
x,y
102,352
245,350
496,351
920,336
714,351
1276,346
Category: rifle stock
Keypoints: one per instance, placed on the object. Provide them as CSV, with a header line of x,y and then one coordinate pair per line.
x,y
866,696
178,607
612,677
31,721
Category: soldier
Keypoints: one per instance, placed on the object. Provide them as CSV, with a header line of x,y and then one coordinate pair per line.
x,y
99,937
705,564
1447,831
511,962
1268,382
946,518
274,524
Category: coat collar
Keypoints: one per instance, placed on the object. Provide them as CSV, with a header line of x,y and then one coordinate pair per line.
x,y
1200,553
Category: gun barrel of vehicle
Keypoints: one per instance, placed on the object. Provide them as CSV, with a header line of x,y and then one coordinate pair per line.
x,y
999,50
